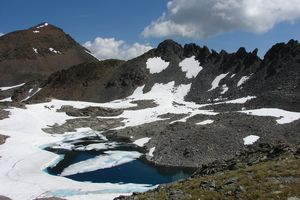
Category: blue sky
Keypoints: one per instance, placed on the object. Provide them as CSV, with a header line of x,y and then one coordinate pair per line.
x,y
127,19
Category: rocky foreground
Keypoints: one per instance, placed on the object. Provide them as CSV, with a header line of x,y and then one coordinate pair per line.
x,y
262,171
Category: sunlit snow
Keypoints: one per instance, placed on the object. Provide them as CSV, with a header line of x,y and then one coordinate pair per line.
x,y
284,117
216,81
243,80
8,99
156,65
110,159
191,66
224,89
35,50
54,51
141,142
151,151
205,122
251,139
43,25
23,167
11,87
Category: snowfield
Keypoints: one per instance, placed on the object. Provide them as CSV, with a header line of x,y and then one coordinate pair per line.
x,y
11,87
156,65
216,81
243,80
284,117
191,66
23,159
141,142
251,139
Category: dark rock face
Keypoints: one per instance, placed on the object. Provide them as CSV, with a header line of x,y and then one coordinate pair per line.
x,y
277,80
37,52
274,77
86,82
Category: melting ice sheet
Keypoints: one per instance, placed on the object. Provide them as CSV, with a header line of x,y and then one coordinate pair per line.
x,y
112,158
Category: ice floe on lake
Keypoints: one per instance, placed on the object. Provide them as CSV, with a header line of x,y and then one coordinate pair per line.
x,y
110,159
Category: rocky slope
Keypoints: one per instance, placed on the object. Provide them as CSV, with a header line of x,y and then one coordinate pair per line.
x,y
262,171
37,52
240,74
272,83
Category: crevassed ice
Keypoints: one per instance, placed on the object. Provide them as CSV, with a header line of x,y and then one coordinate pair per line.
x,y
156,65
191,66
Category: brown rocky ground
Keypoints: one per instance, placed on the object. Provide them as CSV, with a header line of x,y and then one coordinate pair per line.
x,y
20,63
262,171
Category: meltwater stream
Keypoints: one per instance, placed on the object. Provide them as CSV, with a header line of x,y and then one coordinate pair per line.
x,y
98,160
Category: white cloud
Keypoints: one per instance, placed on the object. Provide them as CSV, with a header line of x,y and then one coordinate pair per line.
x,y
1,34
110,48
202,18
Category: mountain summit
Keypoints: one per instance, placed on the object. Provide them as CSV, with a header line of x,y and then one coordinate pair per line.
x,y
37,52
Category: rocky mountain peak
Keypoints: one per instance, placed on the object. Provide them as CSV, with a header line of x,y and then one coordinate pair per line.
x,y
281,50
37,52
169,48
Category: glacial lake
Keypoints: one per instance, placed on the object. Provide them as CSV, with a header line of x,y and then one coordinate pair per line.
x,y
137,170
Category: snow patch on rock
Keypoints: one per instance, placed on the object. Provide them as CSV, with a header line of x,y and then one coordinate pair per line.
x,y
216,81
35,50
141,142
11,87
110,159
43,25
224,89
8,99
251,139
156,65
191,66
284,117
205,122
54,51
243,80
151,151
